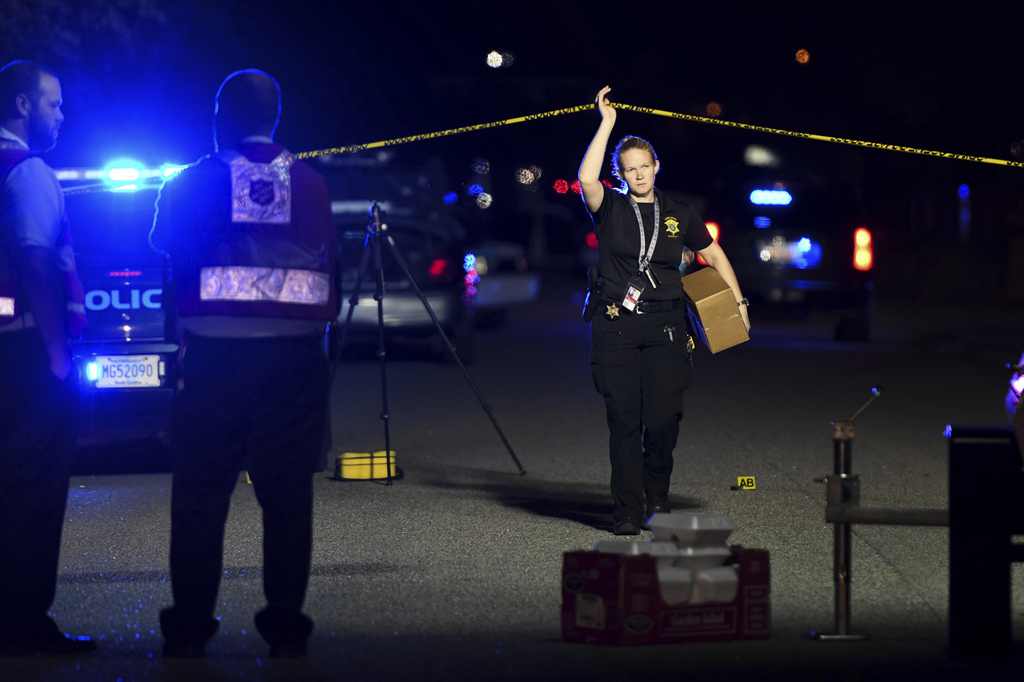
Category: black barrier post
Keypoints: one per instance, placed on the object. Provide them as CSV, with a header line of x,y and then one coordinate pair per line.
x,y
842,490
986,508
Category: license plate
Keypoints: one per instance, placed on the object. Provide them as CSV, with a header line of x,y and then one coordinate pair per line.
x,y
127,371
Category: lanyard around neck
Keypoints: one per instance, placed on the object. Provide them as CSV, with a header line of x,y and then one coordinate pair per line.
x,y
644,261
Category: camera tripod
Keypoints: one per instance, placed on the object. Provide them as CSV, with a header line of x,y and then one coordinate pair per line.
x,y
377,237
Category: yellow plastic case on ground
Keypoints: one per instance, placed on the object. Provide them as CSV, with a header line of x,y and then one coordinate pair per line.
x,y
365,465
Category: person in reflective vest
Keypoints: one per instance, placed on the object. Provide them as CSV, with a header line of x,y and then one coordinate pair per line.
x,y
38,382
251,240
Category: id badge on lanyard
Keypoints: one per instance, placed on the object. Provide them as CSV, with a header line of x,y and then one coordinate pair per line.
x,y
637,283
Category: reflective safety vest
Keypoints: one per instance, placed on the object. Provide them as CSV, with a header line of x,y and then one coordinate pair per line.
x,y
11,305
271,254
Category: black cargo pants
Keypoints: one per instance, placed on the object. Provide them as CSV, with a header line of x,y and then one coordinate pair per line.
x,y
642,370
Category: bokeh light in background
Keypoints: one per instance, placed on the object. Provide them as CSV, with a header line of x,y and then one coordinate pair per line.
x,y
529,177
498,60
803,56
481,166
714,109
524,176
561,186
484,200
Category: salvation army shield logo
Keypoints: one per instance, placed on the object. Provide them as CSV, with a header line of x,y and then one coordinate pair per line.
x,y
261,192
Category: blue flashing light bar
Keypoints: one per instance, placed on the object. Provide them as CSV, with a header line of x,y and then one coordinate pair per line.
x,y
762,221
770,197
123,174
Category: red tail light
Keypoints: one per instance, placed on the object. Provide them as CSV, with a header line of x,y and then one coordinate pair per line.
x,y
440,270
863,251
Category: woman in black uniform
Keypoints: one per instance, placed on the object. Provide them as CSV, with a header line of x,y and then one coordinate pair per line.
x,y
641,351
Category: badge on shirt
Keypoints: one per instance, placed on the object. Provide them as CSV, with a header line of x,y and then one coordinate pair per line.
x,y
672,227
611,311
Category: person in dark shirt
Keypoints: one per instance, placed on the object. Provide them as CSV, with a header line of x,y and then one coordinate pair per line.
x,y
641,351
251,237
38,381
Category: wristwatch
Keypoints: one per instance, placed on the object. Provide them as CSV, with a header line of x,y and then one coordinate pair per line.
x,y
743,302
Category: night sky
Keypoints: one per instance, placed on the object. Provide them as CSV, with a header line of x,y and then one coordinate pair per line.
x,y
946,80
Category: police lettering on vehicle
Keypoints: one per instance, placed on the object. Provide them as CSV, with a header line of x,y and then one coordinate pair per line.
x,y
123,299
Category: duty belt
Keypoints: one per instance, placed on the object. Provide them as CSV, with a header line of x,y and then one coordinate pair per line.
x,y
645,307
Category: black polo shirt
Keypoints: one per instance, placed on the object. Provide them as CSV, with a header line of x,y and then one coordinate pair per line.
x,y
618,242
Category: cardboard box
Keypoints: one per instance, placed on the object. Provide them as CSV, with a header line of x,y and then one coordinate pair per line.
x,y
616,599
714,315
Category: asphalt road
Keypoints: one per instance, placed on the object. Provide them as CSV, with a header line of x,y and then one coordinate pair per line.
x,y
453,572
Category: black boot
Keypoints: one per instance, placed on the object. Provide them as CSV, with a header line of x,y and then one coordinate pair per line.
x,y
286,631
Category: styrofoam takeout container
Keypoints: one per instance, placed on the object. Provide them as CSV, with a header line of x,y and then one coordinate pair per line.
x,y
666,553
701,558
691,530
676,584
717,585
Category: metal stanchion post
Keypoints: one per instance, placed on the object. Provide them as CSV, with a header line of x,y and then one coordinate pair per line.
x,y
842,489
843,492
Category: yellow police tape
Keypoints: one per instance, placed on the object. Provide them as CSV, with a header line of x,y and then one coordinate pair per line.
x,y
670,114
626,107
823,138
443,133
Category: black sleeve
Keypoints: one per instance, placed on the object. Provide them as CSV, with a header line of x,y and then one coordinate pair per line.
x,y
697,236
606,205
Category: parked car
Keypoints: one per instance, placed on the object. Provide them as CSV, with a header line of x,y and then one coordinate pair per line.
x,y
464,280
504,279
436,260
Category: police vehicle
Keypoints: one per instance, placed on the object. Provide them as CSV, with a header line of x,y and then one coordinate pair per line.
x,y
126,357
798,241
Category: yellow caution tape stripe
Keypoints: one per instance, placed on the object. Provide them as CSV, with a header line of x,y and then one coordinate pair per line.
x,y
629,107
822,138
669,114
444,133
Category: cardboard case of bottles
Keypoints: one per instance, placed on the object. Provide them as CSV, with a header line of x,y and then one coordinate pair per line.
x,y
616,599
